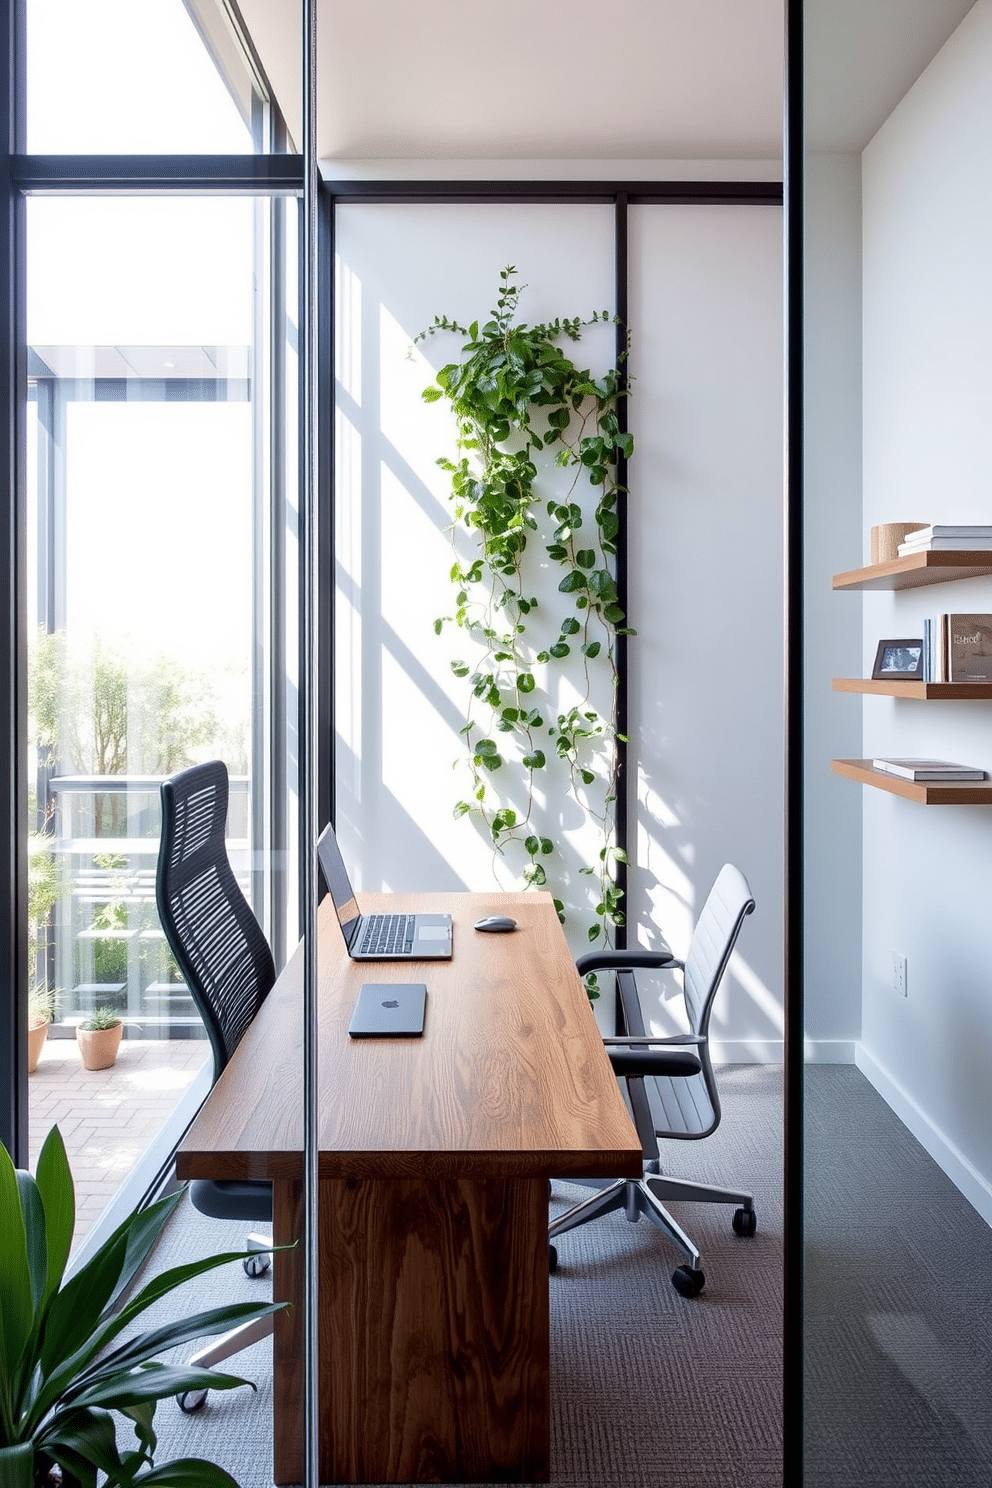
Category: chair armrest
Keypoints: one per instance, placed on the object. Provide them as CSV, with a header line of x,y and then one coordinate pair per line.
x,y
627,960
659,1040
654,1062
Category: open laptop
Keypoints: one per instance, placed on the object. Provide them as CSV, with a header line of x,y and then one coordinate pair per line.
x,y
379,937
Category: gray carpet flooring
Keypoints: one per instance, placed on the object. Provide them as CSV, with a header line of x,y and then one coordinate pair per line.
x,y
649,1390
898,1370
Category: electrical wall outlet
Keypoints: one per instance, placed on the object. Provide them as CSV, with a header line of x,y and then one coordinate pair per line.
x,y
899,973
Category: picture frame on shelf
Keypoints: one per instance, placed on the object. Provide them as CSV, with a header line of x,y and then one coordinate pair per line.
x,y
898,661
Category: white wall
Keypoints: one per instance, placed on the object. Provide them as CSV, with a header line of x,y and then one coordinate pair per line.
x,y
928,454
832,630
706,515
706,670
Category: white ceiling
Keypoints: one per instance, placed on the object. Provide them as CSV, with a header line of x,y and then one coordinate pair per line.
x,y
436,80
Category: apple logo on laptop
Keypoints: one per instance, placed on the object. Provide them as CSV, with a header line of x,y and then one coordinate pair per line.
x,y
391,1002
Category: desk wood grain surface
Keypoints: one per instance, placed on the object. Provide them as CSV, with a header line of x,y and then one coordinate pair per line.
x,y
510,1077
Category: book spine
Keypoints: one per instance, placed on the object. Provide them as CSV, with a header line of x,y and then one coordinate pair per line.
x,y
927,667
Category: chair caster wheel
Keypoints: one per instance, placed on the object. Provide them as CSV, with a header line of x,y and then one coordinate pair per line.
x,y
745,1222
688,1283
191,1400
256,1264
552,1258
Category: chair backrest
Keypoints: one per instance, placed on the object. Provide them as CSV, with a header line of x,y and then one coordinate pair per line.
x,y
713,940
208,923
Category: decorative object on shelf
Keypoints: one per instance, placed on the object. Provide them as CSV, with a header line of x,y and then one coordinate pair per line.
x,y
99,1038
39,1018
530,426
937,539
969,648
885,538
927,769
899,659
63,1366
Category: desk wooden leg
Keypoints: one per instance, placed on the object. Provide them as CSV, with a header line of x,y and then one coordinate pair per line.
x,y
434,1331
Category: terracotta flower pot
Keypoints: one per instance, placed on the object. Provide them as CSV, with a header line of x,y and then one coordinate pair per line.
x,y
37,1034
98,1046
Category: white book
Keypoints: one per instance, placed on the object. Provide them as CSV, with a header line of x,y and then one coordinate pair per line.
x,y
927,769
945,545
936,529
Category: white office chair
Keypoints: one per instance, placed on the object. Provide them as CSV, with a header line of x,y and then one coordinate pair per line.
x,y
682,1074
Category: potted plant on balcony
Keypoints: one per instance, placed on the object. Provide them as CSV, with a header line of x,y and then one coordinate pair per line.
x,y
99,1038
39,1017
63,1365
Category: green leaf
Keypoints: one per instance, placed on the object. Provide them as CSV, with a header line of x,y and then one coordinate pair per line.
x,y
431,394
37,1243
547,846
586,558
572,581
58,1197
587,776
560,649
525,682
460,668
570,626
592,650
462,808
485,746
187,1472
602,584
16,1312
594,932
535,760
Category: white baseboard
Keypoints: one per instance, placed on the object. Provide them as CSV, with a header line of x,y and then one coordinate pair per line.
x,y
829,1051
746,1051
961,1172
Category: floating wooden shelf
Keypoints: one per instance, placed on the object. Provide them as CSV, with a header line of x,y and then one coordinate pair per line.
x,y
957,691
922,568
927,792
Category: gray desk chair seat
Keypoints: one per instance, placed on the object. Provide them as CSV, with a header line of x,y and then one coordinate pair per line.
x,y
227,966
686,1104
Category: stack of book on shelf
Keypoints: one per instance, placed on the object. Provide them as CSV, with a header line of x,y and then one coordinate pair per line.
x,y
924,769
957,648
937,538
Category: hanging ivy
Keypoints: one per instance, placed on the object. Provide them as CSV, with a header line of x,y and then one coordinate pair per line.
x,y
523,410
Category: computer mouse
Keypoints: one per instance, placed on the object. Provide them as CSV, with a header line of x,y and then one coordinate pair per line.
x,y
495,922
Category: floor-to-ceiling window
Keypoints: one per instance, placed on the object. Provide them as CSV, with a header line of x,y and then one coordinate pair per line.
x,y
158,387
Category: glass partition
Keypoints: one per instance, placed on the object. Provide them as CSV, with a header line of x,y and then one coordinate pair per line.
x,y
158,519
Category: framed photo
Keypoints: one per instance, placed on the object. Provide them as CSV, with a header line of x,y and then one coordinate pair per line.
x,y
898,661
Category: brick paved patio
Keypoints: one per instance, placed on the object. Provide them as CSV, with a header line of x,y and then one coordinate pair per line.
x,y
107,1117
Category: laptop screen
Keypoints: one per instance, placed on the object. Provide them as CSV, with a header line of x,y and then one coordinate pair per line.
x,y
336,878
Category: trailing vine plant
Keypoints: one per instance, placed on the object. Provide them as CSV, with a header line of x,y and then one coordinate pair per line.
x,y
523,411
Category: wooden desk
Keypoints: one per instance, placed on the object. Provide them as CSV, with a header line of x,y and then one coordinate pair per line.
x,y
434,1159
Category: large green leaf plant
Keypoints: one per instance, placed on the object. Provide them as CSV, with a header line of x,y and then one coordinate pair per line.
x,y
70,1363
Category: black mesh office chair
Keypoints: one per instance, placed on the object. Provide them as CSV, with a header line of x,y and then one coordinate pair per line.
x,y
228,968
681,1073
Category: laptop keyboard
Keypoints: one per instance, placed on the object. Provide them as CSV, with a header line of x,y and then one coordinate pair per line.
x,y
387,935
